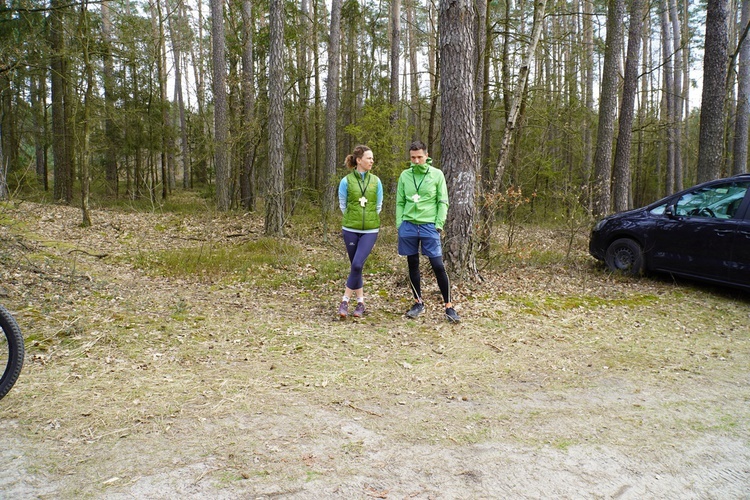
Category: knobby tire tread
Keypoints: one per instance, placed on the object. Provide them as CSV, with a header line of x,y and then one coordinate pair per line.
x,y
15,346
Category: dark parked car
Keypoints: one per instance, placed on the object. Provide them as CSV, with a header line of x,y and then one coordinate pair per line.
x,y
702,233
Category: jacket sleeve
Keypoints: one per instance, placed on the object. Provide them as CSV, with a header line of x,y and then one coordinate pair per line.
x,y
400,201
343,194
379,199
442,202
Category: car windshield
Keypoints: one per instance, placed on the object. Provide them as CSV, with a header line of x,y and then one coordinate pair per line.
x,y
719,201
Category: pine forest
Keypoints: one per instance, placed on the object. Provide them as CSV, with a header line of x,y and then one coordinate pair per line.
x,y
534,109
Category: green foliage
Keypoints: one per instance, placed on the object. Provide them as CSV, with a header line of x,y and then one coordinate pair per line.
x,y
548,155
373,128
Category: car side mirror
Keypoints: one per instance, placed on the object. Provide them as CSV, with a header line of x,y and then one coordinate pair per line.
x,y
669,211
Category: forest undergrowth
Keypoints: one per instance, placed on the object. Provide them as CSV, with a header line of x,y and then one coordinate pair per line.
x,y
185,353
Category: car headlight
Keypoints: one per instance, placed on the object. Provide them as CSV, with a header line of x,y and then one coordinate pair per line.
x,y
600,224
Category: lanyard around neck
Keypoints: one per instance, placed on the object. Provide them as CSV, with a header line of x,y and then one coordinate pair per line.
x,y
414,178
359,182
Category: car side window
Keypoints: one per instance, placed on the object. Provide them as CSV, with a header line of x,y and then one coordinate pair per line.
x,y
720,201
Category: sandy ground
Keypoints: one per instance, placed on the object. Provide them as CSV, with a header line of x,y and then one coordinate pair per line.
x,y
258,401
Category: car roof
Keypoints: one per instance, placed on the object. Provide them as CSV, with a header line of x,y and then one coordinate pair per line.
x,y
738,177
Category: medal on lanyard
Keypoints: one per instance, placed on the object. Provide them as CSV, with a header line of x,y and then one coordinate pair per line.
x,y
363,199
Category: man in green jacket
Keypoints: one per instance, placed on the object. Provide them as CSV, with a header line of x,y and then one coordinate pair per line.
x,y
421,209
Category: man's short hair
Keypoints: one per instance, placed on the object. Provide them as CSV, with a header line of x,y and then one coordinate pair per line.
x,y
417,145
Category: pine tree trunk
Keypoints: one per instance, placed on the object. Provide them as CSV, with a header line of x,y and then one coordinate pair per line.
x,y
332,102
668,97
458,155
588,97
711,137
221,120
110,161
607,109
677,103
303,67
178,95
247,176
433,57
83,35
161,68
3,174
742,119
275,196
39,109
61,135
621,184
395,49
415,115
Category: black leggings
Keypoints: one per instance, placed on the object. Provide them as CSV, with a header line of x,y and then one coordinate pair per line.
x,y
438,268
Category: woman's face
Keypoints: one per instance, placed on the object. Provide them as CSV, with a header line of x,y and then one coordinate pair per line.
x,y
365,163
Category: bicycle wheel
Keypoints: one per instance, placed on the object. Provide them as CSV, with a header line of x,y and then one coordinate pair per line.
x,y
11,351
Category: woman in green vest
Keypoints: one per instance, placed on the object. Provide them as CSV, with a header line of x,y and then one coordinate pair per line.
x,y
360,200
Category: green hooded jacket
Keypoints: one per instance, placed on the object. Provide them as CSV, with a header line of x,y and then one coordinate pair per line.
x,y
422,196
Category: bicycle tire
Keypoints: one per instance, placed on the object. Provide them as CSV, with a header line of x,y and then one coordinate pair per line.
x,y
15,350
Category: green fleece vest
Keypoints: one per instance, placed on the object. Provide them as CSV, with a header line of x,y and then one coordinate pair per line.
x,y
356,216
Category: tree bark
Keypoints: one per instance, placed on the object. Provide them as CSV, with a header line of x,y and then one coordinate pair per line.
x,y
434,65
668,97
178,94
110,161
303,69
607,109
200,172
415,115
3,171
61,152
221,121
711,136
588,97
161,68
678,98
458,138
39,109
621,184
332,102
275,195
395,49
484,183
247,176
84,38
518,95
742,118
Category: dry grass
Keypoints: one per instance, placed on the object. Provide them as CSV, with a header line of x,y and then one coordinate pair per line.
x,y
553,351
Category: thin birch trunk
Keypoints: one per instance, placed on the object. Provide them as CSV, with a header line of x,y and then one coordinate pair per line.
x,y
520,91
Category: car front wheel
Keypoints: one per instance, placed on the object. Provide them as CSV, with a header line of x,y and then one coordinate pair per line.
x,y
625,256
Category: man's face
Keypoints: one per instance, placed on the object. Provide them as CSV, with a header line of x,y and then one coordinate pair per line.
x,y
418,156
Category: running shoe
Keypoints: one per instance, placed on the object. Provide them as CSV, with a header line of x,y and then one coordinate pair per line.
x,y
415,310
451,314
343,309
359,310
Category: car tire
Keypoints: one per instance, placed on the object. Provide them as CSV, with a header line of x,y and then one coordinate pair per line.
x,y
625,256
